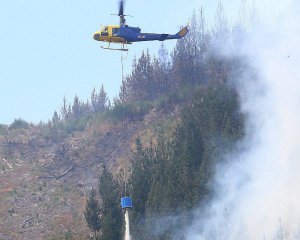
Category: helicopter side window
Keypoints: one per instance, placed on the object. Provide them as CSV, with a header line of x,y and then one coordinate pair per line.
x,y
115,31
104,32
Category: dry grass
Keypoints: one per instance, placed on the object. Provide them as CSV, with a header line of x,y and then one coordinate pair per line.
x,y
54,208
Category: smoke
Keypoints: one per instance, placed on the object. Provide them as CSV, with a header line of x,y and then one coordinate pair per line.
x,y
258,190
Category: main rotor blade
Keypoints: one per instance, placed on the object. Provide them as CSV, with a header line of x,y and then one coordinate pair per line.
x,y
121,8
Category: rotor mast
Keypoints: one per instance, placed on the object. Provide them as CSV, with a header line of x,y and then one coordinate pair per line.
x,y
122,20
121,13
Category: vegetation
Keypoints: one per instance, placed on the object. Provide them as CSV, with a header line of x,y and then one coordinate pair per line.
x,y
111,218
92,213
2,128
19,124
106,216
172,174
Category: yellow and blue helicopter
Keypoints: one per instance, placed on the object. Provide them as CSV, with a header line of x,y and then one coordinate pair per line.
x,y
125,34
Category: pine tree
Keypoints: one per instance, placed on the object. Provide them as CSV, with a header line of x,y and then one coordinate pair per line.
x,y
161,72
182,66
99,101
76,108
55,118
221,31
69,113
111,218
140,84
102,100
94,100
92,213
203,34
64,109
158,201
163,56
140,179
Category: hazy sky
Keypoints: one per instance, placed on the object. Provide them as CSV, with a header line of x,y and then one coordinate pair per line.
x,y
47,51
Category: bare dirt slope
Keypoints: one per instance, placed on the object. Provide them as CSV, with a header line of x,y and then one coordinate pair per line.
x,y
44,184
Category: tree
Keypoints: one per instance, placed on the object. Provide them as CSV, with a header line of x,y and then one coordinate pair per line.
x,y
92,213
161,72
123,93
94,100
140,83
189,53
99,101
140,183
55,118
64,109
221,29
140,180
111,218
76,108
102,100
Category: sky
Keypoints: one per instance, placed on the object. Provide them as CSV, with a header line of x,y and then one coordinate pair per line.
x,y
47,51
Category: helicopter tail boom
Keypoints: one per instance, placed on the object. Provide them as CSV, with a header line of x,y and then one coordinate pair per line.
x,y
178,35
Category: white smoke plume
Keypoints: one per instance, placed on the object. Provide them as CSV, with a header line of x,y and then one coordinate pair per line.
x,y
258,191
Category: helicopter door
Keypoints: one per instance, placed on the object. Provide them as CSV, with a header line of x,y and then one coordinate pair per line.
x,y
104,32
115,31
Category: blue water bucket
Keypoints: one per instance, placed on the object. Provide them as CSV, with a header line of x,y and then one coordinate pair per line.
x,y
126,202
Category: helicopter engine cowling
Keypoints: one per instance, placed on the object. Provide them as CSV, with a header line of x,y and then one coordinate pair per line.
x,y
135,29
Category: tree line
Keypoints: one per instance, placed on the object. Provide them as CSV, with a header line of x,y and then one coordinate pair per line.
x,y
172,177
98,103
195,61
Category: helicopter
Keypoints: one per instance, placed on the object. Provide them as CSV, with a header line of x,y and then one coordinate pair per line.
x,y
124,34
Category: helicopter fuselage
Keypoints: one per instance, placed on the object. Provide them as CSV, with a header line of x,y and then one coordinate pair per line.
x,y
127,35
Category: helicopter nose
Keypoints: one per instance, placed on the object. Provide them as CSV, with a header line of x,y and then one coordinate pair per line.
x,y
96,36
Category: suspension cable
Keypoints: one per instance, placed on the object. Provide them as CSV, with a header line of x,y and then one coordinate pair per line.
x,y
123,90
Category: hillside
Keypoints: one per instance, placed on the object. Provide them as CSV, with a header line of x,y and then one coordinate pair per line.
x,y
39,201
175,115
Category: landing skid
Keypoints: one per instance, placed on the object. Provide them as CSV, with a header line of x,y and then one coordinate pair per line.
x,y
115,49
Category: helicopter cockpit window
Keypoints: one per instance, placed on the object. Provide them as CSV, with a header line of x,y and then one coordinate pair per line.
x,y
104,32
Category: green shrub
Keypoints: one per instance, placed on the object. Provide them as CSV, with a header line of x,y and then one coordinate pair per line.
x,y
19,124
68,235
2,128
134,111
177,96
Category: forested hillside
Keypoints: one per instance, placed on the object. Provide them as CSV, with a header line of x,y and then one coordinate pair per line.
x,y
172,173
176,116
